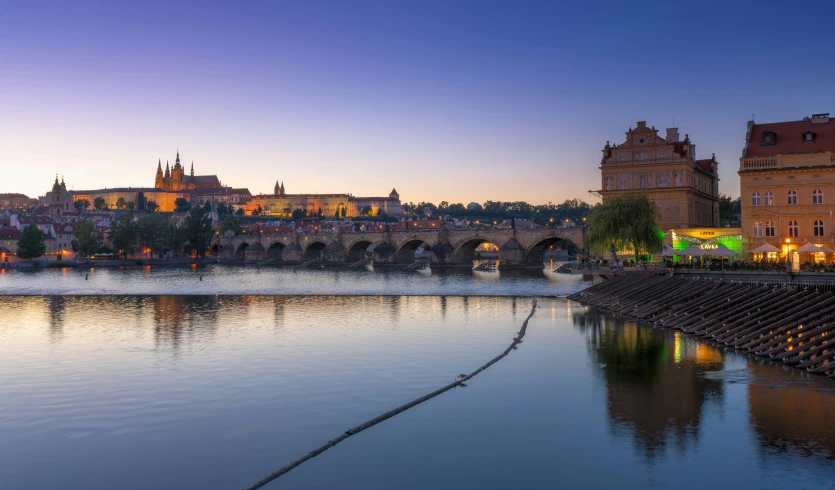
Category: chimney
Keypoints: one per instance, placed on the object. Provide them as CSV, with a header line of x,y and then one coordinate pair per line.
x,y
672,135
642,125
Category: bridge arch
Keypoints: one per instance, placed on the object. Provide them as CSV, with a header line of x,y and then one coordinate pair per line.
x,y
314,250
275,250
356,251
535,254
465,251
240,251
406,252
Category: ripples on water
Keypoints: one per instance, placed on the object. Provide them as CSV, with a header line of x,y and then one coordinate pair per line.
x,y
218,391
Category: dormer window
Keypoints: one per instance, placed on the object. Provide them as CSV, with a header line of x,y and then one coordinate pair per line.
x,y
809,137
769,138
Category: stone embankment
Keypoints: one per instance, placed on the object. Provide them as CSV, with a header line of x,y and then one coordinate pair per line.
x,y
791,325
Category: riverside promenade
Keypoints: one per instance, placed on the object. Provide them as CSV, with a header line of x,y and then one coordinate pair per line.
x,y
784,322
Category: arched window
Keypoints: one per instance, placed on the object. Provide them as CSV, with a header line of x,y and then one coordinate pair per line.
x,y
793,228
818,227
755,199
817,196
758,229
769,198
792,198
769,228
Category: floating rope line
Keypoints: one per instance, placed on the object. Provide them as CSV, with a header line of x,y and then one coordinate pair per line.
x,y
391,413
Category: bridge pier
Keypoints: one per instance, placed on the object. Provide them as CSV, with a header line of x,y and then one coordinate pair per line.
x,y
335,254
292,254
511,255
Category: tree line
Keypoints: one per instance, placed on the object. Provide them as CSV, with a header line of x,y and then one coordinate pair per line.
x,y
156,233
543,214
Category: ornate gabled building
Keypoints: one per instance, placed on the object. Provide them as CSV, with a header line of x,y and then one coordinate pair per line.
x,y
685,190
175,178
787,185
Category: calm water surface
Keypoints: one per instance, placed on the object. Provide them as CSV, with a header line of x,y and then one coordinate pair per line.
x,y
181,391
224,279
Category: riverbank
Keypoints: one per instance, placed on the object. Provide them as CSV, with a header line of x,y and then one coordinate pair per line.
x,y
786,324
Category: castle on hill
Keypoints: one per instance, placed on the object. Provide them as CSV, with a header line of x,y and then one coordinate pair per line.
x,y
175,179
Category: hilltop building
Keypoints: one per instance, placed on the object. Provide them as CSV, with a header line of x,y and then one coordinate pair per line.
x,y
175,179
282,204
787,184
686,190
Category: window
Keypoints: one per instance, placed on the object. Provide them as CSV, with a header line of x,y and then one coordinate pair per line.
x,y
818,228
817,196
793,228
769,228
792,198
758,229
769,199
808,137
755,199
769,138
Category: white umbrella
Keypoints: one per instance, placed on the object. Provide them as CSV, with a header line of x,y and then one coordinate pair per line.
x,y
765,248
809,247
693,251
826,249
667,250
721,251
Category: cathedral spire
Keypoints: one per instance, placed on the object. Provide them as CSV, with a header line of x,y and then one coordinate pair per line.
x,y
177,161
282,187
276,189
159,165
167,171
192,168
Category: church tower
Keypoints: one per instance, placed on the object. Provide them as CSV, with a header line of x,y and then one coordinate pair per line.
x,y
177,174
158,182
276,189
167,179
282,188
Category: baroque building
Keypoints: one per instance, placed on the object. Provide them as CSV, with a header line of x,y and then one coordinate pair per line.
x,y
685,190
787,184
330,205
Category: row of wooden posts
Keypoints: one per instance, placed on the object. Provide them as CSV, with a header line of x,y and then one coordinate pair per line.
x,y
789,324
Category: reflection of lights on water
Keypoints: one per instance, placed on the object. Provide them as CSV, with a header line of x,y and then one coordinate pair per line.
x,y
677,347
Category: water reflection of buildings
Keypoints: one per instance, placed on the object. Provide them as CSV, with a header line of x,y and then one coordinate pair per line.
x,y
654,389
791,411
184,319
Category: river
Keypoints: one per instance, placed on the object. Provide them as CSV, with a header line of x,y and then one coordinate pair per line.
x,y
183,383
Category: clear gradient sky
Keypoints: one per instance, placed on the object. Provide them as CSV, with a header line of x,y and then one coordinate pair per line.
x,y
461,102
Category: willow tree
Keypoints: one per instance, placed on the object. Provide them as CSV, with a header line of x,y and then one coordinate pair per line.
x,y
625,221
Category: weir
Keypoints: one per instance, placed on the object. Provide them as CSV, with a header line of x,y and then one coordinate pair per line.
x,y
785,323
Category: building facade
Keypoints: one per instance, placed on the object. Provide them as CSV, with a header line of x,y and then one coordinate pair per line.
x,y
685,190
14,201
787,184
331,205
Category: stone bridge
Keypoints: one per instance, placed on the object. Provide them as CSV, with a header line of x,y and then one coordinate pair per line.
x,y
517,248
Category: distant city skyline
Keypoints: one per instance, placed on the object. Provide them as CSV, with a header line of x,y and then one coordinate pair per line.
x,y
442,101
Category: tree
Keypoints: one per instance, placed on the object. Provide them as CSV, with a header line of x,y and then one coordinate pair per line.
x,y
98,203
366,211
31,244
82,204
151,206
131,206
124,234
120,203
181,205
344,212
207,207
86,238
319,213
729,209
198,230
627,220
337,213
239,212
154,232
223,208
230,223
298,214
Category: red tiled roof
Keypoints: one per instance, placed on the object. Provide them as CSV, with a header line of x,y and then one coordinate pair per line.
x,y
789,137
9,233
704,165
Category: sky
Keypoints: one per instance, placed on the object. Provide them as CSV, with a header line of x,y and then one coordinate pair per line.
x,y
457,101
